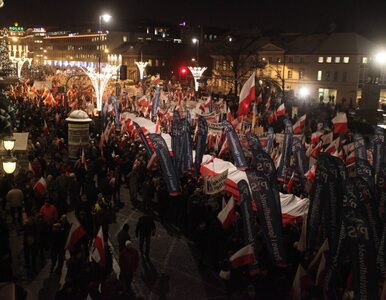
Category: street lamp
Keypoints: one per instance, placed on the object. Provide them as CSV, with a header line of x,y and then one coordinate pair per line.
x,y
304,92
106,18
1,3
9,162
196,41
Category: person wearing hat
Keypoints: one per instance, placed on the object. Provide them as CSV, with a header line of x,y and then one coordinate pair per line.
x,y
128,263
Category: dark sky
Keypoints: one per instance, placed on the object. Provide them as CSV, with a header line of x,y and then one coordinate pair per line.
x,y
292,15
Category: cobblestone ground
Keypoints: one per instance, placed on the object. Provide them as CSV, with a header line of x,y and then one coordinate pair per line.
x,y
171,273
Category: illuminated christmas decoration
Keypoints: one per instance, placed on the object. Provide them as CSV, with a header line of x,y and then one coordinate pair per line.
x,y
197,73
100,80
141,66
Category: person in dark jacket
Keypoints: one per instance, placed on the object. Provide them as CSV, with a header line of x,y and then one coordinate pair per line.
x,y
123,236
58,241
144,230
128,263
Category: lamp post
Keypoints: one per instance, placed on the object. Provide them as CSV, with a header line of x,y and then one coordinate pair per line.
x,y
1,3
197,42
106,18
9,162
304,92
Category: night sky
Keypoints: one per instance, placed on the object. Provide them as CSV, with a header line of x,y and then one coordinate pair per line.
x,y
367,17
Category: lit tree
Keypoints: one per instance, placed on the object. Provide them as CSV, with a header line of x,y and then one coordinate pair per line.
x,y
6,67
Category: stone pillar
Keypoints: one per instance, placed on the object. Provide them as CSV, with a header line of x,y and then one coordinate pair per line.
x,y
78,132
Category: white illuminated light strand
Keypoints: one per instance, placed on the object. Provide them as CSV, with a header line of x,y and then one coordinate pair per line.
x,y
99,80
20,61
141,66
197,73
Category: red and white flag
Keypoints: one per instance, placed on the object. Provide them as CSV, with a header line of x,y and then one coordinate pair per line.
x,y
350,158
316,150
243,257
157,126
291,182
259,99
333,147
302,282
98,249
40,186
316,261
45,128
76,233
268,104
315,137
227,215
247,95
280,110
224,148
152,162
310,175
297,128
229,116
327,138
340,123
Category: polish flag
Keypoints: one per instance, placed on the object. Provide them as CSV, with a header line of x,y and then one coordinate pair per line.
x,y
351,158
318,257
76,233
152,162
40,186
229,116
98,249
340,123
247,95
259,99
316,150
333,147
243,257
290,183
268,104
227,215
280,110
315,137
297,128
157,126
271,118
310,175
327,138
45,128
302,282
224,148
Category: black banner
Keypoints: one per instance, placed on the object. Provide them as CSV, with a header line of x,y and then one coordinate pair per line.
x,y
186,154
143,140
202,135
378,149
235,146
169,174
300,155
364,170
283,169
268,215
249,217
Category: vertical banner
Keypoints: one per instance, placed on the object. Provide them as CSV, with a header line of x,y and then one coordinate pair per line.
x,y
364,170
378,149
114,100
249,217
235,146
143,140
156,100
283,168
186,149
270,135
176,141
201,144
261,161
169,174
268,215
381,191
359,147
300,155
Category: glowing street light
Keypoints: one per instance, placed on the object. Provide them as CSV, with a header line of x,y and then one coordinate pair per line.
x,y
304,92
380,57
106,17
196,41
1,3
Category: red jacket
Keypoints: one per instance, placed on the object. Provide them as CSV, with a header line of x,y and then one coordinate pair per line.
x,y
128,261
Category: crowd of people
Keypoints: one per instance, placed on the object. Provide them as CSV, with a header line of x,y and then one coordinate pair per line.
x,y
115,159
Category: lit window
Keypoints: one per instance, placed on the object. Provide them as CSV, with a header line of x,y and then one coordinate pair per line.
x,y
337,59
320,59
319,75
289,74
224,65
328,59
364,60
124,38
301,74
346,59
